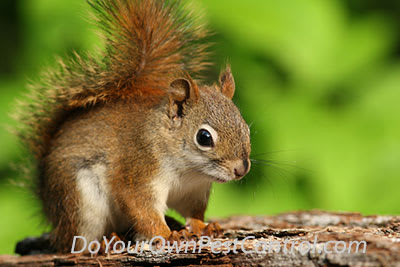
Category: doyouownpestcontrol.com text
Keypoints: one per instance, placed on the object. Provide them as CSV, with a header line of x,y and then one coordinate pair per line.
x,y
158,245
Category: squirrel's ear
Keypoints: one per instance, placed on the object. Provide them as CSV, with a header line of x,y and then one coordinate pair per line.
x,y
181,90
227,83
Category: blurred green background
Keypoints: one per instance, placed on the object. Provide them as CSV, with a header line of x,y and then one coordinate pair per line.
x,y
318,80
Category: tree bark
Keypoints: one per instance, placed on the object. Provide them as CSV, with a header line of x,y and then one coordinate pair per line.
x,y
380,233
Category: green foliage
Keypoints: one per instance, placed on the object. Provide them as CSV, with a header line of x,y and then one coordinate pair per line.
x,y
319,81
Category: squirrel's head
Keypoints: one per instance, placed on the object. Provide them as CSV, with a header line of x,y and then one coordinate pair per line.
x,y
209,129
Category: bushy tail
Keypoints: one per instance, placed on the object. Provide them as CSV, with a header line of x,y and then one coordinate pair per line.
x,y
147,42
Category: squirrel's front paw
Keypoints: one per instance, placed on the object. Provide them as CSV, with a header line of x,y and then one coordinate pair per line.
x,y
201,229
182,235
107,248
212,230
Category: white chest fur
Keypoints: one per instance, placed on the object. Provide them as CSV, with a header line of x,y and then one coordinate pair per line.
x,y
179,192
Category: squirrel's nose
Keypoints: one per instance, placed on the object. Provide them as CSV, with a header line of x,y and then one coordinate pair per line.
x,y
242,168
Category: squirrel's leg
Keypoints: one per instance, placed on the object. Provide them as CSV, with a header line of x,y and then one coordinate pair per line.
x,y
145,220
148,224
193,209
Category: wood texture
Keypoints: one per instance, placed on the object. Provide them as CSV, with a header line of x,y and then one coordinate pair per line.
x,y
381,233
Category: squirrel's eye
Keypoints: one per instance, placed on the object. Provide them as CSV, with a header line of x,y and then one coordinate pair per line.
x,y
204,138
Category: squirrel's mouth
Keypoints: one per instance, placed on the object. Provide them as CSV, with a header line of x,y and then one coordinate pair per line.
x,y
220,180
217,174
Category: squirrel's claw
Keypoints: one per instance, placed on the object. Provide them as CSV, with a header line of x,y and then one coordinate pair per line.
x,y
102,250
212,230
182,235
199,228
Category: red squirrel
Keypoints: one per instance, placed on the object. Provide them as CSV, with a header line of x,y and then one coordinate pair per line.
x,y
120,137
